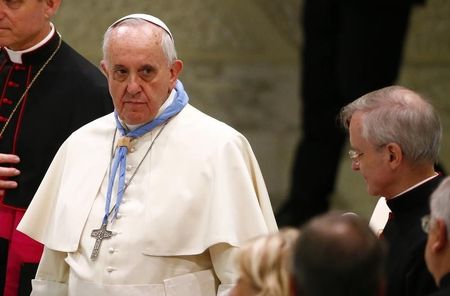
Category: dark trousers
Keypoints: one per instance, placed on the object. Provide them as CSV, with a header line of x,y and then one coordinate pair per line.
x,y
350,48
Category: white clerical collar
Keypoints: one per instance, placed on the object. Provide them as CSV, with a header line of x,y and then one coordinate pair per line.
x,y
417,185
16,56
161,110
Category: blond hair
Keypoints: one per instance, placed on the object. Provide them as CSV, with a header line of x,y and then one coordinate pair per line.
x,y
266,260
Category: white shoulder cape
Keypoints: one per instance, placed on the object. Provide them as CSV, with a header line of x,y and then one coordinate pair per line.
x,y
207,178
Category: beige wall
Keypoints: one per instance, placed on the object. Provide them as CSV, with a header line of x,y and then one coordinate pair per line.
x,y
241,66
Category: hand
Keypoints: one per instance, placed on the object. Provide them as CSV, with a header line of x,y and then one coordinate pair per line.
x,y
7,171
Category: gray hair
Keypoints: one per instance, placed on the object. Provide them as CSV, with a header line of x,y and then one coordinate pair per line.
x,y
396,114
440,203
167,43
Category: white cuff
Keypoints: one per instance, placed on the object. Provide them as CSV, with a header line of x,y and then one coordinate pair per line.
x,y
224,289
48,288
195,284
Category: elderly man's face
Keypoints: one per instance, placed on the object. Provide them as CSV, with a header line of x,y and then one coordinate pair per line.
x,y
139,76
437,248
24,23
372,162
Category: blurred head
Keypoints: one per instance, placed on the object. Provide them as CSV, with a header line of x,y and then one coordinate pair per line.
x,y
390,128
140,63
338,255
264,265
437,224
24,23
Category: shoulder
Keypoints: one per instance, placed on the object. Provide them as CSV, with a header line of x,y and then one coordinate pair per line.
x,y
72,62
196,131
94,128
82,82
206,125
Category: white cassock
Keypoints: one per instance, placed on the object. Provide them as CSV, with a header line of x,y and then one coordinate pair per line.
x,y
197,196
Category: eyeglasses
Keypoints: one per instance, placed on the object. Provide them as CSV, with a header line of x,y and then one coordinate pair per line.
x,y
426,222
354,156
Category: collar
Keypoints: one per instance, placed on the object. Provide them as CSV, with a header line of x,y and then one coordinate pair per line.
x,y
417,185
445,281
415,197
16,56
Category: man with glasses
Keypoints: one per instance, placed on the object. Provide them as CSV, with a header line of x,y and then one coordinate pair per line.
x,y
394,137
437,225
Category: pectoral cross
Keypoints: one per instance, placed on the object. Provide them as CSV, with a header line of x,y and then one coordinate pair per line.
x,y
99,235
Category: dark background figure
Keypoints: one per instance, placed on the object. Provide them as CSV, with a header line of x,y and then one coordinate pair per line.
x,y
350,48
48,90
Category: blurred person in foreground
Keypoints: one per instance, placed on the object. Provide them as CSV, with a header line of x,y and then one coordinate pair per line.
x,y
265,265
437,225
48,90
154,198
394,137
338,254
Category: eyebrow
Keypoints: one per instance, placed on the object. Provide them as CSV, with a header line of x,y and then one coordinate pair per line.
x,y
119,66
147,66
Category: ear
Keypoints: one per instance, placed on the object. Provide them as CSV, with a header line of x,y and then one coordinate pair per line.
x,y
395,155
175,70
104,68
439,236
51,7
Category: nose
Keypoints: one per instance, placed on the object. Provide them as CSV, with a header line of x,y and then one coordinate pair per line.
x,y
355,165
133,85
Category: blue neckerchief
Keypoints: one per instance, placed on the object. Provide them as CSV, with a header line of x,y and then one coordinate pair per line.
x,y
120,157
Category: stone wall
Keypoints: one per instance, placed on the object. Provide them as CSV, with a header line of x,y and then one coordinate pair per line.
x,y
241,66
